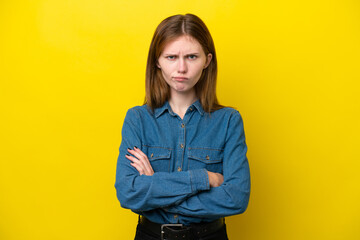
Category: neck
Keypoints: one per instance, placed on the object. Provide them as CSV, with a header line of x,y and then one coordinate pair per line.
x,y
180,102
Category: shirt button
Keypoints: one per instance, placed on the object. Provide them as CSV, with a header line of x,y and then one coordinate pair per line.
x,y
182,145
207,157
191,109
179,169
152,155
182,125
175,216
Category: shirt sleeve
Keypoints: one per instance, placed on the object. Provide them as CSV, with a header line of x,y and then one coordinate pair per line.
x,y
232,196
162,189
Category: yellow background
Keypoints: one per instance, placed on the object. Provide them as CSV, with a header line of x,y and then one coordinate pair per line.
x,y
70,69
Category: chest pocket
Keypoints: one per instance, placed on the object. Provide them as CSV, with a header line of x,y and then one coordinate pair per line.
x,y
159,158
211,159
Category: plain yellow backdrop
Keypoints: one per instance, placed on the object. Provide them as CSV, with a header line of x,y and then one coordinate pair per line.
x,y
69,70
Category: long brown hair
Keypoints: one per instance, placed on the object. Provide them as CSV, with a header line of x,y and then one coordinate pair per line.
x,y
157,90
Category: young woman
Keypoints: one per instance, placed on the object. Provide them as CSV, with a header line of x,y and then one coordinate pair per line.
x,y
182,164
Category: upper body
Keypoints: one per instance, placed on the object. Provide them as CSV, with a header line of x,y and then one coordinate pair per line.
x,y
183,156
180,151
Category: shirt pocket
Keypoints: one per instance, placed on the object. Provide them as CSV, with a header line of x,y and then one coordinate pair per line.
x,y
208,158
159,158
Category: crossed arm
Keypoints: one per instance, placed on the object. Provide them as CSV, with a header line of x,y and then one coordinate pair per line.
x,y
196,192
141,163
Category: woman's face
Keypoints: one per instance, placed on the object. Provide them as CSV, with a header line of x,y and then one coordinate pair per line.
x,y
182,62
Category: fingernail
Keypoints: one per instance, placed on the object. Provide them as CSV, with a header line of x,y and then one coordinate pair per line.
x,y
129,148
127,155
135,147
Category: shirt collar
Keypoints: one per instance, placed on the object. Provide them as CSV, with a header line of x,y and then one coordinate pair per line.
x,y
160,110
166,106
199,107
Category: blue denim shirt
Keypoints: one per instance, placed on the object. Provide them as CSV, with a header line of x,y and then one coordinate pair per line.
x,y
180,152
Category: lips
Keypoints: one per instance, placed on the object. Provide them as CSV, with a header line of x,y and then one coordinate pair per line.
x,y
180,79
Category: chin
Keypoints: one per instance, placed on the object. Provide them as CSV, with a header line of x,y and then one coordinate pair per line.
x,y
180,89
183,88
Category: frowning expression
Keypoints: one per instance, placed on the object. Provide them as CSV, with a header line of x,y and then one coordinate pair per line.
x,y
182,62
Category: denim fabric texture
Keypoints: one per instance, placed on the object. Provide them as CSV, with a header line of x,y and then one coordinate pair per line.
x,y
180,152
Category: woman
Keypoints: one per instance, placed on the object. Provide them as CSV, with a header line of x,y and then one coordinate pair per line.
x,y
182,164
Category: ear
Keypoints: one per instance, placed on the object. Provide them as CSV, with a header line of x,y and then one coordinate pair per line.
x,y
208,60
158,65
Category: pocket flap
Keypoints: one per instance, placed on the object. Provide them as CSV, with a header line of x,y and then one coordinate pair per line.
x,y
155,153
206,155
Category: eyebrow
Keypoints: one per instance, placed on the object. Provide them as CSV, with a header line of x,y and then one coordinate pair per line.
x,y
195,53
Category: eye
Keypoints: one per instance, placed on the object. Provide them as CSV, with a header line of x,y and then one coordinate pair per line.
x,y
192,57
171,57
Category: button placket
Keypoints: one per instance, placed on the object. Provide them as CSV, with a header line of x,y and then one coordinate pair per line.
x,y
182,131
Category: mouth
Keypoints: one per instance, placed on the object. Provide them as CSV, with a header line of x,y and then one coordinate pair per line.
x,y
180,79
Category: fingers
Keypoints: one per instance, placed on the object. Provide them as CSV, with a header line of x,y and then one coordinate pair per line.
x,y
136,164
140,152
220,178
137,153
143,159
215,179
140,161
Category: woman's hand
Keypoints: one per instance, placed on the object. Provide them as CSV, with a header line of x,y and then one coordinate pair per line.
x,y
215,179
140,161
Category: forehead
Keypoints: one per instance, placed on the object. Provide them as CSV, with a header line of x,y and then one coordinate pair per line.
x,y
184,43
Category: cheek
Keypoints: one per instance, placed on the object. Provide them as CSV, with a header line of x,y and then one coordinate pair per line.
x,y
198,71
168,71
165,68
165,72
166,76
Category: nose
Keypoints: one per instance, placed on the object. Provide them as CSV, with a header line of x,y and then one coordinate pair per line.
x,y
182,66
